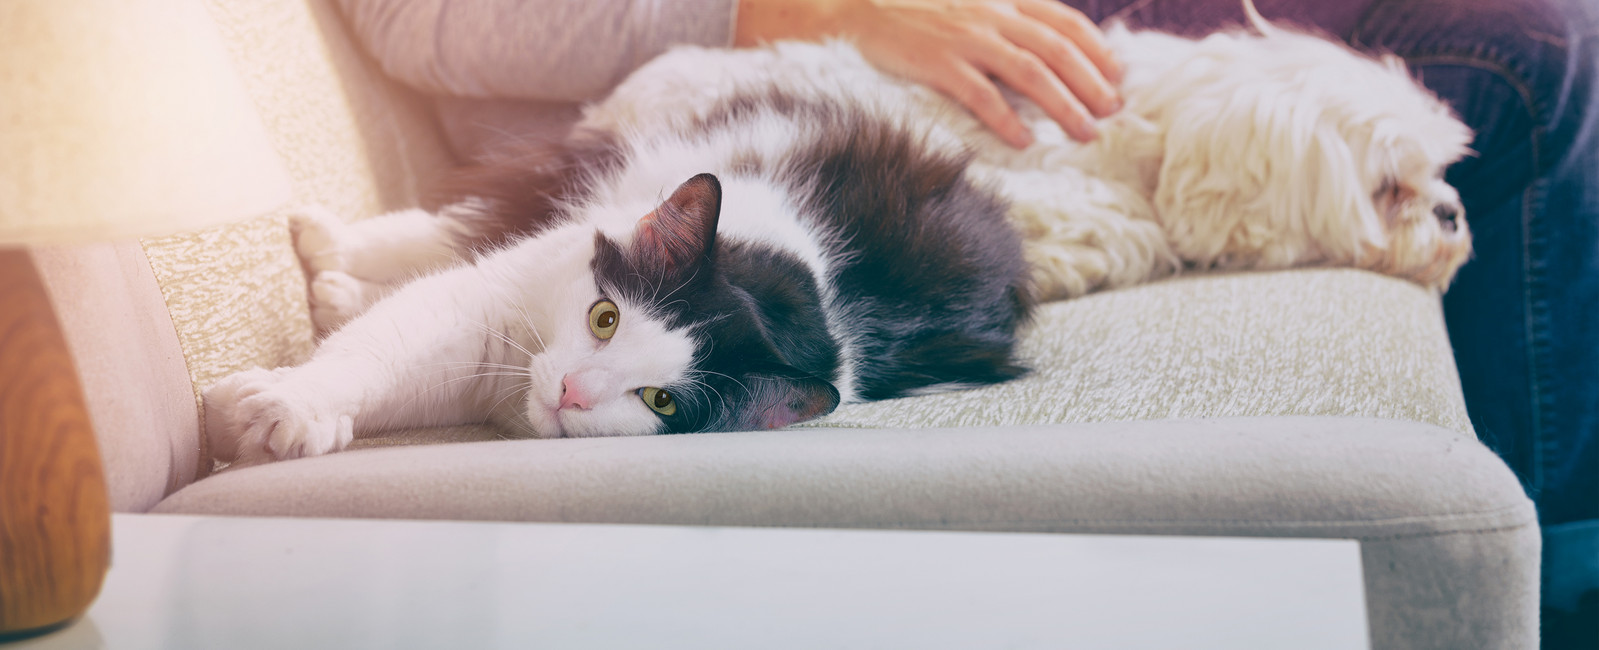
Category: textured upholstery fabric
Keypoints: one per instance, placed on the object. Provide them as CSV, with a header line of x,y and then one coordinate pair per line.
x,y
1309,342
1444,517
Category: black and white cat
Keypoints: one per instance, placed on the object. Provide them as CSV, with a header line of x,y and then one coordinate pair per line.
x,y
806,252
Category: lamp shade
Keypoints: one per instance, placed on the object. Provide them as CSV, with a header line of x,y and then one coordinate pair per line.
x,y
124,118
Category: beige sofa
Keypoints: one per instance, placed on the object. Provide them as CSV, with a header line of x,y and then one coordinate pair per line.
x,y
1316,403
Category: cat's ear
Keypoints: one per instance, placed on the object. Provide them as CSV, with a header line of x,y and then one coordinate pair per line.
x,y
680,234
778,399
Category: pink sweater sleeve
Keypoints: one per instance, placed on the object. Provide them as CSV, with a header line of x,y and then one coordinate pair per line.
x,y
546,50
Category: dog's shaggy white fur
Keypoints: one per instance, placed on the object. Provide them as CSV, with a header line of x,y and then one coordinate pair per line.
x,y
1248,149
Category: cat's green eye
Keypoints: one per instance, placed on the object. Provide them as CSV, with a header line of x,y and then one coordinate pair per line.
x,y
603,317
658,400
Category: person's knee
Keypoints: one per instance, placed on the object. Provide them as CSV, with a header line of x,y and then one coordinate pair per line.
x,y
1544,49
1527,37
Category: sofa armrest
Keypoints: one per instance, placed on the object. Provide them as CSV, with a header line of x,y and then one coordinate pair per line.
x,y
1450,545
133,373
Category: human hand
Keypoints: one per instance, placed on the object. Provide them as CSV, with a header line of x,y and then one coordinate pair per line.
x,y
1048,52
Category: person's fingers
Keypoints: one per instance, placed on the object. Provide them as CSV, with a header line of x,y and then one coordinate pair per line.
x,y
962,49
1068,62
1077,27
1028,75
969,87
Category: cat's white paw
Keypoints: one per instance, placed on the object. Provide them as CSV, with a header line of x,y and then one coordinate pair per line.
x,y
260,415
320,238
337,297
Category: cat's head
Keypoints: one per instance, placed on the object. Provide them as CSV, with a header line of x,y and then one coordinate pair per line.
x,y
666,343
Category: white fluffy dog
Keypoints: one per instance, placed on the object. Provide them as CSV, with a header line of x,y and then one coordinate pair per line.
x,y
1263,149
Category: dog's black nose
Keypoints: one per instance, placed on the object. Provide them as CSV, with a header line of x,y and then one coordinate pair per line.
x,y
1447,215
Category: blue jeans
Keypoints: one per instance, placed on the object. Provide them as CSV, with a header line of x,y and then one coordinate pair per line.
x,y
1523,315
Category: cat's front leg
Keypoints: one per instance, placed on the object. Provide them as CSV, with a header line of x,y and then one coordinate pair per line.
x,y
261,415
353,265
364,380
416,358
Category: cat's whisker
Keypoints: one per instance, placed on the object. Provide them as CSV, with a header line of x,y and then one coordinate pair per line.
x,y
685,283
655,286
490,374
510,391
513,390
507,339
729,378
471,364
701,388
525,427
454,380
709,346
527,321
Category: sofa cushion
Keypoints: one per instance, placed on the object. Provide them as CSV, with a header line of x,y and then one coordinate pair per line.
x,y
1300,476
1303,342
1440,516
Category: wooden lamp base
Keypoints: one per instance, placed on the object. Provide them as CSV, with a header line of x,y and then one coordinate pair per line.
x,y
55,514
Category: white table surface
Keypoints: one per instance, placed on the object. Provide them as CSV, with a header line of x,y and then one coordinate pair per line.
x,y
212,582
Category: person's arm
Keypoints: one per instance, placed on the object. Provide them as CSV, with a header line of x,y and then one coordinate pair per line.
x,y
1045,50
547,50
570,50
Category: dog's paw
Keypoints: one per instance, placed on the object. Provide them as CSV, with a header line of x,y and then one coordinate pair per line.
x,y
321,239
337,297
260,415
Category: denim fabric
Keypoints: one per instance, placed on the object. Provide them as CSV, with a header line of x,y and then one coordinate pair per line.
x,y
1523,315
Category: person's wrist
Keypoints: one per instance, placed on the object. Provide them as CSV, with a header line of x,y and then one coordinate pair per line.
x,y
764,21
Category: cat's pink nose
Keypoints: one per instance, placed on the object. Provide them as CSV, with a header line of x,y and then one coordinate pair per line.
x,y
574,395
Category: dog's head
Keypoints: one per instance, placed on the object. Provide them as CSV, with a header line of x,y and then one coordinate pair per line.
x,y
1291,150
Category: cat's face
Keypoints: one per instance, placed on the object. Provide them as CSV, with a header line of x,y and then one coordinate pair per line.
x,y
664,343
